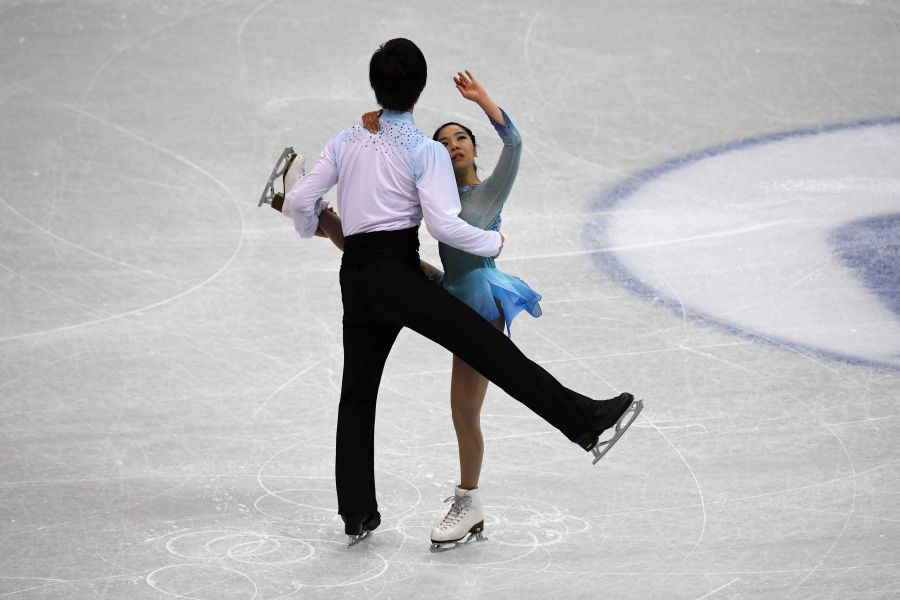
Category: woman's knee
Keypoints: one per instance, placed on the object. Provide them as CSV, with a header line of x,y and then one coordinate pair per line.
x,y
467,420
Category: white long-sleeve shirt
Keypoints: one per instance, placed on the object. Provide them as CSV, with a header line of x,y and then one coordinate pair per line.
x,y
387,181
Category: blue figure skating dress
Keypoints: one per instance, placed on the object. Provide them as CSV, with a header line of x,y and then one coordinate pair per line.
x,y
475,279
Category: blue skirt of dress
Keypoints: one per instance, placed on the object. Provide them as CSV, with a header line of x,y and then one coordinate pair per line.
x,y
482,289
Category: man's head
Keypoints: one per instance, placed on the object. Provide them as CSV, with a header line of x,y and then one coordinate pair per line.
x,y
397,73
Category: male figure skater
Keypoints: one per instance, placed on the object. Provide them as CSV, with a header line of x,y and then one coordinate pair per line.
x,y
387,183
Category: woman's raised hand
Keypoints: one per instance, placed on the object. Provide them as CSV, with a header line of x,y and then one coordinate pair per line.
x,y
472,90
469,87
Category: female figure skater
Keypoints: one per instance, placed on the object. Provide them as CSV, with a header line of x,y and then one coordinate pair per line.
x,y
495,295
475,280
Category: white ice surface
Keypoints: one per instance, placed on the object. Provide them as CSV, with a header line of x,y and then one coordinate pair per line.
x,y
170,354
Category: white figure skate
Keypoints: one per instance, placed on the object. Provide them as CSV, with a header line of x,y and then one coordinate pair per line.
x,y
289,167
464,522
600,449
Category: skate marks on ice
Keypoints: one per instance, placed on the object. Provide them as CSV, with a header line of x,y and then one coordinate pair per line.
x,y
219,563
789,238
299,547
225,562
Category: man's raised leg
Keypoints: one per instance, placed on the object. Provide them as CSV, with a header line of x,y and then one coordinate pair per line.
x,y
442,318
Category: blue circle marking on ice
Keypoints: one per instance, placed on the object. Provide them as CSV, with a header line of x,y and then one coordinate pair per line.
x,y
872,248
791,238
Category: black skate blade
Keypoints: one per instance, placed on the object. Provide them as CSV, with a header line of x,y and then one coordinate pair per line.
x,y
356,539
277,171
630,415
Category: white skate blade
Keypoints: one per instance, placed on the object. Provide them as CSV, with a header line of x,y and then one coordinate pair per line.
x,y
628,417
473,538
355,539
277,171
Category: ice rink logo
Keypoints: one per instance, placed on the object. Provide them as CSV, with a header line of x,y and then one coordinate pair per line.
x,y
792,238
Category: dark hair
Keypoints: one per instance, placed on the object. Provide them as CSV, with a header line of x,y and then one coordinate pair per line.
x,y
461,126
397,74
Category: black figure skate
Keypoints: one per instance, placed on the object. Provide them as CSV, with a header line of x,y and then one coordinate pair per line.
x,y
357,531
624,409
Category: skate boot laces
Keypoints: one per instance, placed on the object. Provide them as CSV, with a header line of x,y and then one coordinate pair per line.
x,y
458,510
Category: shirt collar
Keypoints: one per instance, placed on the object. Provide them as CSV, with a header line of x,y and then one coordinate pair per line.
x,y
396,115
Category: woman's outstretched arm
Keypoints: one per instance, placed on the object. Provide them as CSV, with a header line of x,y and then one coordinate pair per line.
x,y
494,191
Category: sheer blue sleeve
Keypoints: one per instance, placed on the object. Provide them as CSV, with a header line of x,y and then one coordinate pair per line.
x,y
490,197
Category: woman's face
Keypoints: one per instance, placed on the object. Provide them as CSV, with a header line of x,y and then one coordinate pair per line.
x,y
459,146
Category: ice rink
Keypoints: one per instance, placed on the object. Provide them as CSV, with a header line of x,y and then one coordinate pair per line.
x,y
708,201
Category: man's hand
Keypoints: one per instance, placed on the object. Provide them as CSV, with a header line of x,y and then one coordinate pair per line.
x,y
502,241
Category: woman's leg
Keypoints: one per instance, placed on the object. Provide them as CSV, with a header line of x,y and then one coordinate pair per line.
x,y
330,227
467,390
466,516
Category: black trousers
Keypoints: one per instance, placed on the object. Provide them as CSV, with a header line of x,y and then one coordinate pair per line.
x,y
383,290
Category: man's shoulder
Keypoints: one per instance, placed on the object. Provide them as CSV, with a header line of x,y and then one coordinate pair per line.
x,y
394,137
405,131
